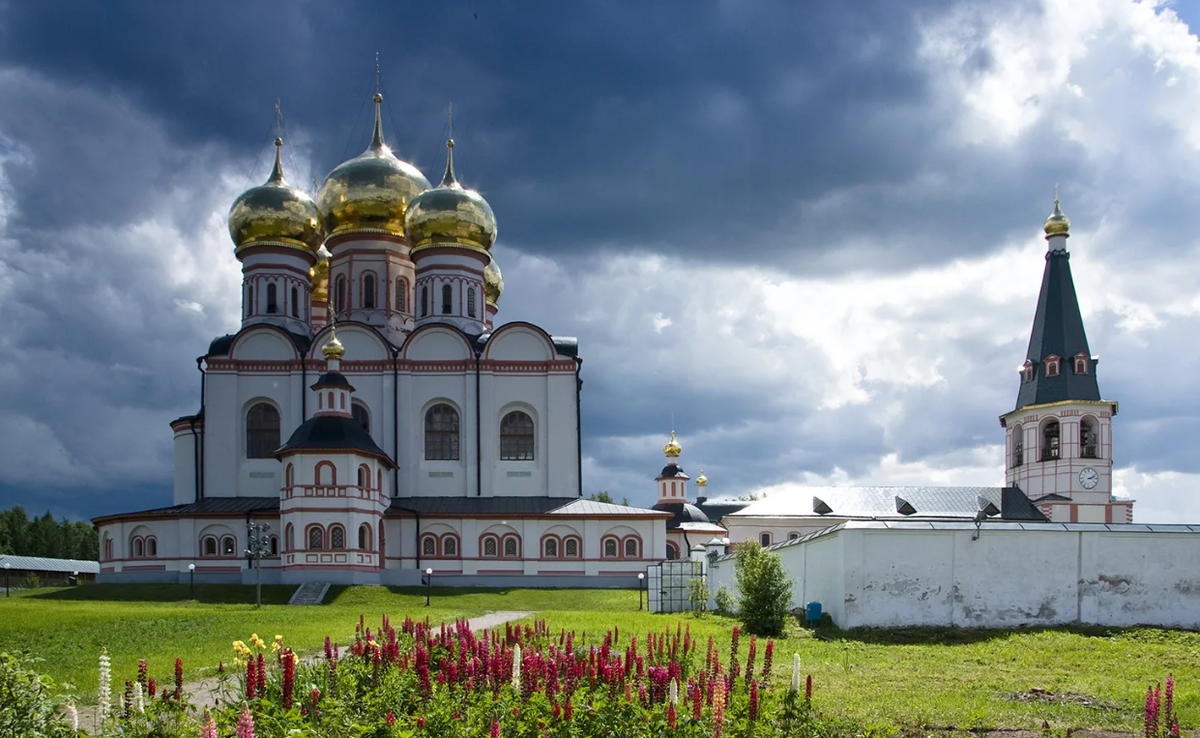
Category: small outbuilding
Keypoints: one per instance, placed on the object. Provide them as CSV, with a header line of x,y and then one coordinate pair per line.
x,y
50,572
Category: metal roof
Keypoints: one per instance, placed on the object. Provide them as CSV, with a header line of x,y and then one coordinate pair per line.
x,y
209,506
38,563
591,507
477,505
883,502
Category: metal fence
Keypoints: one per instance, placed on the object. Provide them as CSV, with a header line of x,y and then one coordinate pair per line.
x,y
668,584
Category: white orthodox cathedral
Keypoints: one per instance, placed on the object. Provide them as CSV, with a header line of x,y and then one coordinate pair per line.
x,y
373,415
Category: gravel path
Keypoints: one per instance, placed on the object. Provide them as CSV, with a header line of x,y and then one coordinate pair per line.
x,y
492,619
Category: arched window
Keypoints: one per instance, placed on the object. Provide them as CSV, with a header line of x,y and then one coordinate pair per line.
x,y
262,431
450,545
793,535
471,302
672,551
764,539
295,303
401,295
550,548
274,545
289,537
447,299
1052,366
610,548
516,437
429,546
382,542
1081,363
108,548
1027,372
1089,440
571,548
249,299
424,301
512,548
228,546
272,299
1050,439
489,546
368,291
441,433
152,547
1018,436
316,537
361,416
337,538
208,546
325,473
339,294
139,548
631,548
364,477
364,537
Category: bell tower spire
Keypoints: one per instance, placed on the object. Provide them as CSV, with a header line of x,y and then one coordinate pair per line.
x,y
1059,435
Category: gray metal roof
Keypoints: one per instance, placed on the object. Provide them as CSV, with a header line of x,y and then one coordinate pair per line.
x,y
882,502
455,506
209,506
38,563
591,507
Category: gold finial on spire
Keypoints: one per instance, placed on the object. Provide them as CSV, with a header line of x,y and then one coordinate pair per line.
x,y
333,349
376,74
277,171
448,179
672,449
701,481
1057,224
377,143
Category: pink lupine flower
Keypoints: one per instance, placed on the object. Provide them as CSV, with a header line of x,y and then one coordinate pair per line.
x,y
208,727
1150,716
671,718
495,732
245,723
141,677
1174,727
1168,707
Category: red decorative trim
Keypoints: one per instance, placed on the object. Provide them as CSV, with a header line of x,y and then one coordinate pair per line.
x,y
553,573
146,567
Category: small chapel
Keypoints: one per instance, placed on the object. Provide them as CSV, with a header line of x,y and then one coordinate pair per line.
x,y
370,421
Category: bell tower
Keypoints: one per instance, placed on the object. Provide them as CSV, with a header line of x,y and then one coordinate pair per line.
x,y
1059,448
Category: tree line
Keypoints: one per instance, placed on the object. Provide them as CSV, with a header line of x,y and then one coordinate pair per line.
x,y
21,535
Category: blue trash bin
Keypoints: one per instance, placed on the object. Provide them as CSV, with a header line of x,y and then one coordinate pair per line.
x,y
812,613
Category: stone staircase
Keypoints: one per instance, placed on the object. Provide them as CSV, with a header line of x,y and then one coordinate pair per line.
x,y
309,594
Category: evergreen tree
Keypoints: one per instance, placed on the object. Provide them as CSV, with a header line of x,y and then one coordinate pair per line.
x,y
766,591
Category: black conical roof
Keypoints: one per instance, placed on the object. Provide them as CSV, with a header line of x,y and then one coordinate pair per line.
x,y
333,433
1058,331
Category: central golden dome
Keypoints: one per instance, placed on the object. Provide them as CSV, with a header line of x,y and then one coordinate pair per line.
x,y
672,449
277,214
493,282
1057,224
449,214
371,192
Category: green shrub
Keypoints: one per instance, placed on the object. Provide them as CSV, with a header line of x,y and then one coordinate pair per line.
x,y
32,581
27,703
726,602
698,594
765,590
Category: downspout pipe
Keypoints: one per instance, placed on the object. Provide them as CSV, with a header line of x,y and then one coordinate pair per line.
x,y
478,433
579,422
416,540
199,439
396,422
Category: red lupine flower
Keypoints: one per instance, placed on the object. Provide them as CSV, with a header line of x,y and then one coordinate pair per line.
x,y
750,658
141,677
128,698
1150,716
289,677
390,718
421,722
808,689
495,732
251,678
261,674
315,697
671,716
1168,705
568,710
768,659
151,687
753,700
178,678
697,700
1174,728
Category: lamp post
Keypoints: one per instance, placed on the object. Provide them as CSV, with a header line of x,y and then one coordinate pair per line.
x,y
258,548
7,566
428,584
191,581
641,578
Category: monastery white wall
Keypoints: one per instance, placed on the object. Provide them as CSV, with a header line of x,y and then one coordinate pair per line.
x,y
874,576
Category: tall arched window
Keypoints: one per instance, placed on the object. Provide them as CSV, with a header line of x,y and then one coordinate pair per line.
x,y
1018,436
368,291
249,299
424,301
208,546
262,431
441,433
516,437
1089,440
289,537
447,299
672,551
316,538
295,303
450,545
272,299
139,548
364,477
289,475
610,548
764,539
152,546
1050,439
361,416
339,294
401,295
364,537
228,546
337,538
631,548
489,546
550,548
429,546
512,547
571,548
471,302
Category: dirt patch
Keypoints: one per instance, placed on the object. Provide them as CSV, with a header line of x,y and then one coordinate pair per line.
x,y
1047,697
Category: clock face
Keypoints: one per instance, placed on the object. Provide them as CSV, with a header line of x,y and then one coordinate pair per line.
x,y
1088,478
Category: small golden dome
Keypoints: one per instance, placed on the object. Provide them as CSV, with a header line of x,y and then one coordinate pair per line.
x,y
702,481
319,275
371,192
672,449
450,214
1057,224
493,282
276,213
333,348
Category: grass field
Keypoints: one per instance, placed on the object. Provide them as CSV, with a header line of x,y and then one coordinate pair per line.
x,y
909,680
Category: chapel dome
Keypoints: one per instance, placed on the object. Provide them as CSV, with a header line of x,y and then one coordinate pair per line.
x,y
450,214
276,213
371,192
493,282
1057,224
672,449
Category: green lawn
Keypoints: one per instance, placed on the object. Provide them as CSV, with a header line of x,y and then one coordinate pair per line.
x,y
881,679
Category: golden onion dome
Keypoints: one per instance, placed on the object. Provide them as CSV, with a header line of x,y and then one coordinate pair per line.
x,y
1057,224
450,214
319,275
702,481
493,282
276,214
371,192
672,449
333,348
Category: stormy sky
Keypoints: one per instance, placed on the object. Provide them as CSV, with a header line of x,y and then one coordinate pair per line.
x,y
811,231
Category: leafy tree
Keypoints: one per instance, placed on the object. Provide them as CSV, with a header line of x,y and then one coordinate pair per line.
x,y
43,536
606,497
29,706
764,588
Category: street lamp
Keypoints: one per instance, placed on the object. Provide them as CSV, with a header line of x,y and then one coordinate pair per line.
x,y
192,581
258,548
428,584
7,566
641,578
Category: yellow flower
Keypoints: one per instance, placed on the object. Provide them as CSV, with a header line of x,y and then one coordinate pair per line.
x,y
275,646
279,638
239,646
